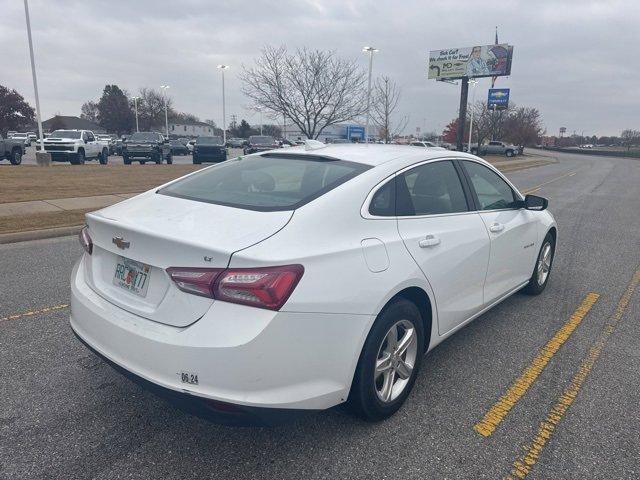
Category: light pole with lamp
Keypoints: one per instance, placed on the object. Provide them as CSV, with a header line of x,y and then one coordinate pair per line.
x,y
473,99
224,113
135,107
370,51
46,158
166,115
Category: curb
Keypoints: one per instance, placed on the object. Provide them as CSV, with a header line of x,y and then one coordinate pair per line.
x,y
39,234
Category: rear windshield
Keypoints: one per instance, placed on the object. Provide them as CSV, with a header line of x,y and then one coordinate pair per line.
x,y
65,134
144,137
261,140
209,141
267,182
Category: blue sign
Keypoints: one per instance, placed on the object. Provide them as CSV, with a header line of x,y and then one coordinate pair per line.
x,y
355,132
498,98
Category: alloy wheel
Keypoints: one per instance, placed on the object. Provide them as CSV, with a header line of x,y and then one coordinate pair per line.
x,y
395,361
544,264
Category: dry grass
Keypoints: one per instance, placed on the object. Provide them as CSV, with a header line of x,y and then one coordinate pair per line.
x,y
30,182
37,221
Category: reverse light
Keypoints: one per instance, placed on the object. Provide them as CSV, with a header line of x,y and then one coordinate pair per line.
x,y
264,287
85,240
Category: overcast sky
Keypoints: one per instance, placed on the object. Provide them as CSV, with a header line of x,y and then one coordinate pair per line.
x,y
576,61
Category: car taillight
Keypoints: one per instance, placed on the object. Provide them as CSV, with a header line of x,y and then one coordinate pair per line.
x,y
85,240
265,287
198,281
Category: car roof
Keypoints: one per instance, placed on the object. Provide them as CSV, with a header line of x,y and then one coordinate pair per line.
x,y
376,154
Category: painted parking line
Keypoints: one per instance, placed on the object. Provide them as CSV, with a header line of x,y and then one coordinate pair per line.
x,y
525,462
538,187
31,313
516,391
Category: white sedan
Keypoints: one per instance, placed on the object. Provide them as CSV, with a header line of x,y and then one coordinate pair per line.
x,y
289,281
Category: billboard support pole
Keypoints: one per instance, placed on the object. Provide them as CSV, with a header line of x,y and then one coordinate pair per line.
x,y
462,117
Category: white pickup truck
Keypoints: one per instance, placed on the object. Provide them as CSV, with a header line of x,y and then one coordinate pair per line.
x,y
76,146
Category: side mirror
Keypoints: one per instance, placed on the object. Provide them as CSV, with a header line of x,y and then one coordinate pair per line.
x,y
534,202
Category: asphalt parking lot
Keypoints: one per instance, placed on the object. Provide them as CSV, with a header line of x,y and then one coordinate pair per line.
x,y
68,415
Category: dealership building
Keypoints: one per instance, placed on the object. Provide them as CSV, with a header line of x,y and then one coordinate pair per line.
x,y
339,131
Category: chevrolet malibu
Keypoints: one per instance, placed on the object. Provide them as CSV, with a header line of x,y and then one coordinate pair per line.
x,y
296,280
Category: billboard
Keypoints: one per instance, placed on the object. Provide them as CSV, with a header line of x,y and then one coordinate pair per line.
x,y
498,99
472,62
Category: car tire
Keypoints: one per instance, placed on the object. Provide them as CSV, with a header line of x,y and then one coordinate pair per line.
x,y
170,159
509,153
104,157
157,157
16,157
376,395
196,160
142,162
126,159
78,158
542,268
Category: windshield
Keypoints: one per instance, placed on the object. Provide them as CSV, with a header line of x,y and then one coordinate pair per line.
x,y
65,134
209,141
144,137
277,182
261,140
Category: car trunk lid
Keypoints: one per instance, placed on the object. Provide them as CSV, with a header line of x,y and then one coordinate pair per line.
x,y
136,240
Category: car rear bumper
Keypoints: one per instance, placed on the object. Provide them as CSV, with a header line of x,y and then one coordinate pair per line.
x,y
243,356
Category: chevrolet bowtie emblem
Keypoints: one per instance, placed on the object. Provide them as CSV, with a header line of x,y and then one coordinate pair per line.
x,y
120,242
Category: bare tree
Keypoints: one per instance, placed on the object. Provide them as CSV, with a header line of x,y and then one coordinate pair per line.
x,y
90,111
386,95
311,88
151,109
630,138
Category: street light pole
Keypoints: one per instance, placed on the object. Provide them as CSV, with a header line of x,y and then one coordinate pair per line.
x,y
166,114
35,79
370,51
135,107
473,99
224,113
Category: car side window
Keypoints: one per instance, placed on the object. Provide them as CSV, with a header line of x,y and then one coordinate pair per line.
x,y
383,203
492,191
430,189
90,137
85,137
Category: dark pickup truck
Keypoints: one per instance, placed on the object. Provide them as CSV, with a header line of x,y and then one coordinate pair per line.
x,y
11,150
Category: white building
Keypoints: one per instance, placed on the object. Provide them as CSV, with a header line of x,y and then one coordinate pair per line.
x,y
191,129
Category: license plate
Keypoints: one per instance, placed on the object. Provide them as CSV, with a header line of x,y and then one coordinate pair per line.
x,y
132,276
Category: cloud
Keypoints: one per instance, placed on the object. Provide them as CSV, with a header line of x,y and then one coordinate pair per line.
x,y
574,60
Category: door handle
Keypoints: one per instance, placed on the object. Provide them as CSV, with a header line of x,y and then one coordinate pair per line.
x,y
496,227
429,241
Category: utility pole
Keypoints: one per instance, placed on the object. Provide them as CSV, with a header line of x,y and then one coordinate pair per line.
x,y
35,79
135,107
370,51
166,115
224,112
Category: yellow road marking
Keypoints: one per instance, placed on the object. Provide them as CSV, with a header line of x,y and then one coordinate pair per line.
x,y
538,187
31,313
503,406
523,464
